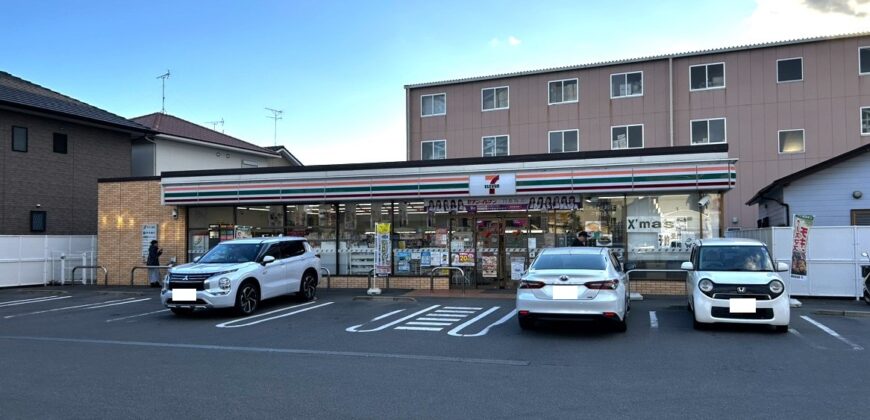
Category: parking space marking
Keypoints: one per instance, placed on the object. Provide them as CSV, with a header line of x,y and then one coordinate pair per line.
x,y
832,333
797,334
31,300
455,332
355,328
440,319
653,320
419,328
387,314
466,308
434,324
118,303
454,311
66,308
233,323
136,316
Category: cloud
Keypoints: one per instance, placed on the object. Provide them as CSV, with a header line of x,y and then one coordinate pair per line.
x,y
514,41
848,7
511,41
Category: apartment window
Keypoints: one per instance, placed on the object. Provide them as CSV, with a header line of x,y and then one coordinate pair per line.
x,y
626,137
707,76
626,84
790,70
864,60
562,91
250,164
433,149
431,105
496,146
19,139
60,143
865,121
495,98
37,221
564,141
791,141
708,131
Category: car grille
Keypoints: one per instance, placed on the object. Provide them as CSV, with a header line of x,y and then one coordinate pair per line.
x,y
185,277
740,296
188,281
760,313
729,291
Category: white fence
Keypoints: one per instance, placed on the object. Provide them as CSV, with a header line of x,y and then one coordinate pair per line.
x,y
35,259
833,258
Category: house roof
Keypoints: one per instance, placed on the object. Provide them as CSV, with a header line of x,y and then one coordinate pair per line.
x,y
172,125
639,59
784,181
21,93
286,153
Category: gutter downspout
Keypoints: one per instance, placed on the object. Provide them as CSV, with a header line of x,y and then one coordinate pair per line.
x,y
785,205
671,98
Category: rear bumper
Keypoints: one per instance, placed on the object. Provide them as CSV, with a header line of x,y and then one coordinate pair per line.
x,y
547,309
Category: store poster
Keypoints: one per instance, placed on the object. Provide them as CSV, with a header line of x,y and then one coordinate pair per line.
x,y
403,261
383,249
802,225
489,266
425,259
463,259
518,267
243,232
199,244
149,233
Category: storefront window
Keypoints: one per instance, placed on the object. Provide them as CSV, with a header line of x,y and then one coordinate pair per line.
x,y
259,221
207,226
316,223
356,249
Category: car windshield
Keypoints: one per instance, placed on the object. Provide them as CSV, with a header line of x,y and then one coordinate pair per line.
x,y
230,253
735,258
569,262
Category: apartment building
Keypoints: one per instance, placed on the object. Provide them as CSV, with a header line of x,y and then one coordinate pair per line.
x,y
779,107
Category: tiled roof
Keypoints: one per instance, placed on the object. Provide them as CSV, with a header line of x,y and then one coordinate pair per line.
x,y
638,59
19,92
172,125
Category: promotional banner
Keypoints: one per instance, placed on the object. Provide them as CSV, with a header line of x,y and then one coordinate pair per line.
x,y
383,249
802,225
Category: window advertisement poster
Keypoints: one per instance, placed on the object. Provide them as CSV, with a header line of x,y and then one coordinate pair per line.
x,y
149,233
802,225
425,259
489,266
518,267
243,232
199,244
403,261
383,249
463,259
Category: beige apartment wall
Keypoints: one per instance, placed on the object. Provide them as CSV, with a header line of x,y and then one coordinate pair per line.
x,y
123,207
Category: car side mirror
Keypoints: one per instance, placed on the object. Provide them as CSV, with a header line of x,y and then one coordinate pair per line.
x,y
268,259
196,259
781,266
687,266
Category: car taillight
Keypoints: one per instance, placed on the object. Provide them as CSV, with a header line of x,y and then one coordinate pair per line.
x,y
531,284
599,285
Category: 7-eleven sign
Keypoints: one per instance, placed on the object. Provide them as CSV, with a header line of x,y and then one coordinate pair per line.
x,y
492,184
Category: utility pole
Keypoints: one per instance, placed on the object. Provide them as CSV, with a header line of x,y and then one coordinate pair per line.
x,y
276,115
163,76
214,124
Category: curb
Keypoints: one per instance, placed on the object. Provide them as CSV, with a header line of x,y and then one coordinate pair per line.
x,y
855,314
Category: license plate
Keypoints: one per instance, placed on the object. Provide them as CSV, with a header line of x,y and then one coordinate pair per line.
x,y
565,292
184,295
741,306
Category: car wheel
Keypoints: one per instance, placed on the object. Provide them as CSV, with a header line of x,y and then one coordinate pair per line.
x,y
700,326
621,326
782,329
247,299
526,323
308,287
867,298
181,311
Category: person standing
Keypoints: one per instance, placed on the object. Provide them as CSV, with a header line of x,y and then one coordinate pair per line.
x,y
154,253
582,239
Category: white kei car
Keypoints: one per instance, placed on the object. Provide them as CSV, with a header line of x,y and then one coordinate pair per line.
x,y
239,274
736,281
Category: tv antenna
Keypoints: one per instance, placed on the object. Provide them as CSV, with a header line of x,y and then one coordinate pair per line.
x,y
276,115
163,76
214,124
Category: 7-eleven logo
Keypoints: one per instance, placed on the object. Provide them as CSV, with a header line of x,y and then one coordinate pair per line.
x,y
492,183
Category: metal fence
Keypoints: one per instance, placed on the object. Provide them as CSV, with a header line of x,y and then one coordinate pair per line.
x,y
35,259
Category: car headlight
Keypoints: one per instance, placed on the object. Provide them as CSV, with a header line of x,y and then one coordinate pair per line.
x,y
166,281
705,285
225,283
776,287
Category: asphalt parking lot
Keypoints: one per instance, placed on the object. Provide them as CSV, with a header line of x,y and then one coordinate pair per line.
x,y
83,352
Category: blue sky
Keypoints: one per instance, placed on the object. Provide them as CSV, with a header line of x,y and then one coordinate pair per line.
x,y
337,69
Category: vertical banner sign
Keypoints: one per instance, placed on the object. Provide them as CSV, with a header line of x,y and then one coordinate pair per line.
x,y
149,233
383,249
802,225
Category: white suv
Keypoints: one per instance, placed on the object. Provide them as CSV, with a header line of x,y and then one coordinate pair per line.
x,y
734,281
239,274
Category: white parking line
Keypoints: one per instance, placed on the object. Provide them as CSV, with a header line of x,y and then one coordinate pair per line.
x,y
137,316
455,332
797,334
832,333
439,319
119,303
433,324
248,324
467,308
419,328
33,300
653,320
355,328
386,315
67,308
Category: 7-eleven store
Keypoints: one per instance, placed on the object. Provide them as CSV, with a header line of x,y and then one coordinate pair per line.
x,y
489,216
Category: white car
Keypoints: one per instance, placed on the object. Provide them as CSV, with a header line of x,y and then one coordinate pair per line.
x,y
239,274
736,281
585,283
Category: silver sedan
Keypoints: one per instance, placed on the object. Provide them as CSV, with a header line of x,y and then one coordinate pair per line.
x,y
574,283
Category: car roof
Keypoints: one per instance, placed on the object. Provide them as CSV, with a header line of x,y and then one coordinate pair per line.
x,y
265,240
575,250
730,242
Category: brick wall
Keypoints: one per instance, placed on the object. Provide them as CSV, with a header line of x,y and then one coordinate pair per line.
x,y
65,185
123,208
659,287
356,282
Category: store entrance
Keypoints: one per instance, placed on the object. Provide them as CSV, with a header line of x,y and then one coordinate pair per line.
x,y
500,245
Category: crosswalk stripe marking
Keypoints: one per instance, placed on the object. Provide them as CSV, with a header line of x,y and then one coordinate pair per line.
x,y
355,328
429,323
439,319
420,328
453,311
466,308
